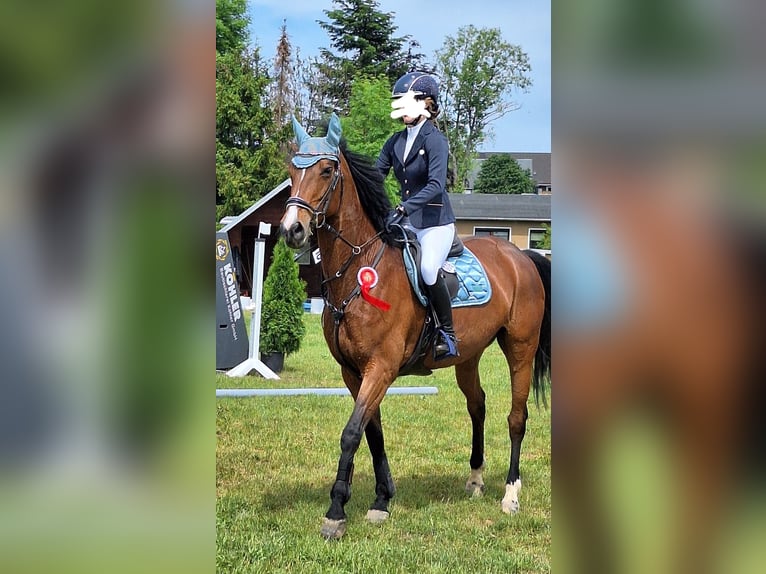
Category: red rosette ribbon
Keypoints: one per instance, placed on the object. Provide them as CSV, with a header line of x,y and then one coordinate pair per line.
x,y
367,279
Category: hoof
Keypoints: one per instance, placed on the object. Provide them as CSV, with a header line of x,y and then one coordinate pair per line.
x,y
333,529
510,506
510,502
377,516
474,489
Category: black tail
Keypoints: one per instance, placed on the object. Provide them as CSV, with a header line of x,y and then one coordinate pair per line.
x,y
542,369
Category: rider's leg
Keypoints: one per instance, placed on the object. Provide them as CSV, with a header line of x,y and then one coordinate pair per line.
x,y
435,244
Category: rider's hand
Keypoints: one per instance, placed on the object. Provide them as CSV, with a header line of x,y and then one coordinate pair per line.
x,y
395,216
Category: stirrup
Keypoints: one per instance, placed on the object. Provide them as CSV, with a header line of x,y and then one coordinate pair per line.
x,y
445,345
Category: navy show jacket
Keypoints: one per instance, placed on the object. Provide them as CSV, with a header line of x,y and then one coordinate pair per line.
x,y
422,176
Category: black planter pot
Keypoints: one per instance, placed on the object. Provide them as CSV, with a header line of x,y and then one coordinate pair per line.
x,y
274,361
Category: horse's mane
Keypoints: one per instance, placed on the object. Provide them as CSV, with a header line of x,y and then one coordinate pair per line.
x,y
369,187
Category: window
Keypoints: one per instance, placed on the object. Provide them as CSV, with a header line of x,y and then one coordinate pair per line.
x,y
499,232
536,238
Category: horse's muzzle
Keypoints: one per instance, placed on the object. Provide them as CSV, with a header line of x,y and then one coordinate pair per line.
x,y
295,236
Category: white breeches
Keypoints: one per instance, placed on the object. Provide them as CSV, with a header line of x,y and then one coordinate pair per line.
x,y
435,243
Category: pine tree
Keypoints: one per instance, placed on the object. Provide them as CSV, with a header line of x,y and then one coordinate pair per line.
x,y
248,159
230,26
366,45
283,91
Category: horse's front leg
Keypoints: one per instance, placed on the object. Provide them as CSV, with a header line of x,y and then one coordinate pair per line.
x,y
367,402
384,483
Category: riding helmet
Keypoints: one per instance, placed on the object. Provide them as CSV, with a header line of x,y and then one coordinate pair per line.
x,y
419,84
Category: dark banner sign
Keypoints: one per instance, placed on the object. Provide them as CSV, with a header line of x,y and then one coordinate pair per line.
x,y
231,345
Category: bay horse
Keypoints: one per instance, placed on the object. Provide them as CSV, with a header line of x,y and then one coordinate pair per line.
x,y
340,195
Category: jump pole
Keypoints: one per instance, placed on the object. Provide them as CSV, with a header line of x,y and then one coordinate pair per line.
x,y
253,361
318,391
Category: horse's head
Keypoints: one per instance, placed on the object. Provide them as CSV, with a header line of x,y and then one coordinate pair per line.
x,y
314,172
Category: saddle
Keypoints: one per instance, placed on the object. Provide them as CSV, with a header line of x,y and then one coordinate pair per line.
x,y
465,278
411,253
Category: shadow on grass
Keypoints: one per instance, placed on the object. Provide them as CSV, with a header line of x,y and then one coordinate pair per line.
x,y
413,492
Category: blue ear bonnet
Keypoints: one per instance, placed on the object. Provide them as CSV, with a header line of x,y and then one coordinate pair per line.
x,y
311,150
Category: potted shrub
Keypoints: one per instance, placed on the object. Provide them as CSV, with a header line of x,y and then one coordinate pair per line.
x,y
282,327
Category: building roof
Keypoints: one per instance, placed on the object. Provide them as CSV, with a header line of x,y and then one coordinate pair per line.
x,y
509,207
265,199
541,164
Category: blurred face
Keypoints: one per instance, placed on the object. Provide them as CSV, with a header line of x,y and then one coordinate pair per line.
x,y
409,109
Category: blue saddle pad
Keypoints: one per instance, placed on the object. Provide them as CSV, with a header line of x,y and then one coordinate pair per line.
x,y
473,283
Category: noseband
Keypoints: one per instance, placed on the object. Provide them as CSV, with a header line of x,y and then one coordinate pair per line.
x,y
318,213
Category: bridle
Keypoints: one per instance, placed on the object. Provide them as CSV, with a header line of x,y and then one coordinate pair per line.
x,y
319,213
319,221
319,218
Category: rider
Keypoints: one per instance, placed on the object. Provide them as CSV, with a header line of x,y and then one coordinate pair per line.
x,y
418,155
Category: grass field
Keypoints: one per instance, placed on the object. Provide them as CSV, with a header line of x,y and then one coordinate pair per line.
x,y
277,457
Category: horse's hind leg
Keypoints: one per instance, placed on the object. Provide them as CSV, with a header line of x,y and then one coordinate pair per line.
x,y
384,483
520,355
467,375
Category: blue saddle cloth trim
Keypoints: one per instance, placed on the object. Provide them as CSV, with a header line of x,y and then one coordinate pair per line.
x,y
473,284
412,272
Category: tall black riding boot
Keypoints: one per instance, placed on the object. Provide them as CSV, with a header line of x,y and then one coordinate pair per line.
x,y
445,345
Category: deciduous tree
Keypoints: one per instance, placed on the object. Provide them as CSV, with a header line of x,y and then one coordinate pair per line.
x,y
500,173
479,71
369,123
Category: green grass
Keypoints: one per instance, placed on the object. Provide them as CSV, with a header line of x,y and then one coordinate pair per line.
x,y
277,456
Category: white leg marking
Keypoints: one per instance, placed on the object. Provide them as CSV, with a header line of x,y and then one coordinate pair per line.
x,y
511,499
475,485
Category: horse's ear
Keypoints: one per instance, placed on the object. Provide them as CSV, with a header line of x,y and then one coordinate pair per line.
x,y
300,133
334,131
